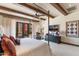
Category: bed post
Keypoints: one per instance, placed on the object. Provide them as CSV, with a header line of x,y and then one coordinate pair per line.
x,y
48,32
48,27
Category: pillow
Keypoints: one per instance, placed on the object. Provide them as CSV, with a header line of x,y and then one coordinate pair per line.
x,y
8,47
13,39
1,50
4,36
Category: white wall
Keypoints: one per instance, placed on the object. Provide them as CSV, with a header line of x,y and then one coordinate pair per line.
x,y
1,20
44,25
35,27
13,25
5,24
61,20
9,25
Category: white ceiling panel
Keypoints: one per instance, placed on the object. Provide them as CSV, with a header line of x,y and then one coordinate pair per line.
x,y
42,6
53,10
18,7
16,14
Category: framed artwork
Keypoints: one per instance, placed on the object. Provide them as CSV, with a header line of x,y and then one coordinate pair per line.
x,y
72,28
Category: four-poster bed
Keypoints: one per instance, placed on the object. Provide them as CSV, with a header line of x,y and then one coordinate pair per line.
x,y
32,47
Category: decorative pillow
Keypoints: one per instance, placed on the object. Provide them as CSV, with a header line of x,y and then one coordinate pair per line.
x,y
8,47
13,39
1,50
4,36
17,42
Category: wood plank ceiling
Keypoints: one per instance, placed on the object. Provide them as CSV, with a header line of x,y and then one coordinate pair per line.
x,y
33,8
39,9
60,8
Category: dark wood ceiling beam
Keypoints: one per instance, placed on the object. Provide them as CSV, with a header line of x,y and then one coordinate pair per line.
x,y
9,9
13,16
60,8
34,8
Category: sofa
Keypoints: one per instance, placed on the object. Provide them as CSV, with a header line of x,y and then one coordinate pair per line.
x,y
52,38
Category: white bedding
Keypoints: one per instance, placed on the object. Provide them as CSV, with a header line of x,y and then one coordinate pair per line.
x,y
32,47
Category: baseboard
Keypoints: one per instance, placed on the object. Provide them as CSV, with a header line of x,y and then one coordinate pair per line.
x,y
70,44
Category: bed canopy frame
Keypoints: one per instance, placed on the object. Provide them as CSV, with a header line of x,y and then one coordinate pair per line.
x,y
48,26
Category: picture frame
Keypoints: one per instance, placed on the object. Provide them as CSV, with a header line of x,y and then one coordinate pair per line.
x,y
72,28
